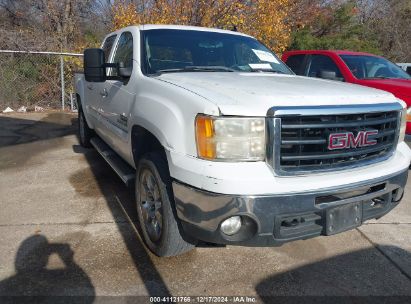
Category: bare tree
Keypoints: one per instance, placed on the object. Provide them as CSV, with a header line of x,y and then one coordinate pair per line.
x,y
389,22
51,24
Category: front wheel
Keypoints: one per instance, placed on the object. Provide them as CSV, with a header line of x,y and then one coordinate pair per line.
x,y
158,221
85,133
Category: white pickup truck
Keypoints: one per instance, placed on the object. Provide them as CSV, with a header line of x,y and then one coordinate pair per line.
x,y
226,145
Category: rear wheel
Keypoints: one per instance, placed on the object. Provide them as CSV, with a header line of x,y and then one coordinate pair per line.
x,y
85,133
158,221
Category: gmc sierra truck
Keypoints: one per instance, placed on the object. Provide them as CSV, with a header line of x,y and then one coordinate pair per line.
x,y
225,144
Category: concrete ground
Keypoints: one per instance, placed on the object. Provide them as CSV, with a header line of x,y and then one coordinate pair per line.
x,y
67,227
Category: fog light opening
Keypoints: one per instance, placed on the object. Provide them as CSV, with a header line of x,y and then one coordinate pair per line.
x,y
397,195
231,226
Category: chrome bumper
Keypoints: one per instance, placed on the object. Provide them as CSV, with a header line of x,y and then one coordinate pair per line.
x,y
281,218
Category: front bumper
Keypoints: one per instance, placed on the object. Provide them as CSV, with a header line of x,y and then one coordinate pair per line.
x,y
272,220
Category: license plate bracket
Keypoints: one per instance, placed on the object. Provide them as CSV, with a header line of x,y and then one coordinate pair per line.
x,y
342,218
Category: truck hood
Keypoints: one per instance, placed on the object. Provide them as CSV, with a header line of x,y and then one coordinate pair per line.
x,y
253,94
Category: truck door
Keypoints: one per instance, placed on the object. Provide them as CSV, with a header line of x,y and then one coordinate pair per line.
x,y
93,89
117,98
321,66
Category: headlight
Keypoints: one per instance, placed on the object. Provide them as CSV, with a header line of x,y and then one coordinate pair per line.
x,y
404,118
230,138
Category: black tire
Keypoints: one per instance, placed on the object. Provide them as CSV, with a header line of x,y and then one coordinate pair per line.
x,y
85,134
170,241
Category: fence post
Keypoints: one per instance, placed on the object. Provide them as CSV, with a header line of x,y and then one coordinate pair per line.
x,y
71,102
62,82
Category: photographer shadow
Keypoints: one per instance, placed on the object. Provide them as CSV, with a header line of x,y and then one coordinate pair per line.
x,y
33,278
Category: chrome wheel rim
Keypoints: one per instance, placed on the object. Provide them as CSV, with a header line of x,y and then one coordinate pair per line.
x,y
151,205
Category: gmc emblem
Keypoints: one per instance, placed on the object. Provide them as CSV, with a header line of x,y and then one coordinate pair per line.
x,y
348,140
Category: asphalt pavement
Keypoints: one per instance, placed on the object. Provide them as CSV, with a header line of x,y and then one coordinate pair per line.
x,y
68,226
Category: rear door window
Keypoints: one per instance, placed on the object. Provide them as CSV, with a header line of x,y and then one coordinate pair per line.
x,y
296,63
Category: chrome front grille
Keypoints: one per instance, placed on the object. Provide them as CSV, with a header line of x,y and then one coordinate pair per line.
x,y
300,136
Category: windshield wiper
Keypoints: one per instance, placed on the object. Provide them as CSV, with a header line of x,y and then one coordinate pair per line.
x,y
211,68
378,77
267,71
198,68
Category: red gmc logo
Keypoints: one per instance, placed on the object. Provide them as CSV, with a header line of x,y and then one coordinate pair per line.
x,y
348,140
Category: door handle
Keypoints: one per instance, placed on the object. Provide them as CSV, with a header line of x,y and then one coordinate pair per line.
x,y
104,93
90,87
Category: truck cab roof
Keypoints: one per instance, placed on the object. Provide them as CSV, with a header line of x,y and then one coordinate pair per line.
x,y
146,27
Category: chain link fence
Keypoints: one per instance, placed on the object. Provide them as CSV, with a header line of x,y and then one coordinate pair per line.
x,y
42,79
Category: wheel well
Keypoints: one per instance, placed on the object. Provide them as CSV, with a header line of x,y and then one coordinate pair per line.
x,y
143,141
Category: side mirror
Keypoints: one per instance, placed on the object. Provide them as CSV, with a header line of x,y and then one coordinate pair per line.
x,y
124,72
330,75
94,65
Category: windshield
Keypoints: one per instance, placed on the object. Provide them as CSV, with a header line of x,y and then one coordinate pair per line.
x,y
371,67
166,51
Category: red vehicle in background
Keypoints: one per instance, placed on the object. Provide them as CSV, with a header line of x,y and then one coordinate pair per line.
x,y
353,67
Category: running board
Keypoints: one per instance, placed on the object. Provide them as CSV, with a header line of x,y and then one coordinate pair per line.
x,y
123,170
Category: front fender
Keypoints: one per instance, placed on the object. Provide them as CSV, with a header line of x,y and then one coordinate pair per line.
x,y
168,112
79,84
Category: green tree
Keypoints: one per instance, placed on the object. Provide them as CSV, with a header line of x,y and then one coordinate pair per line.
x,y
335,27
